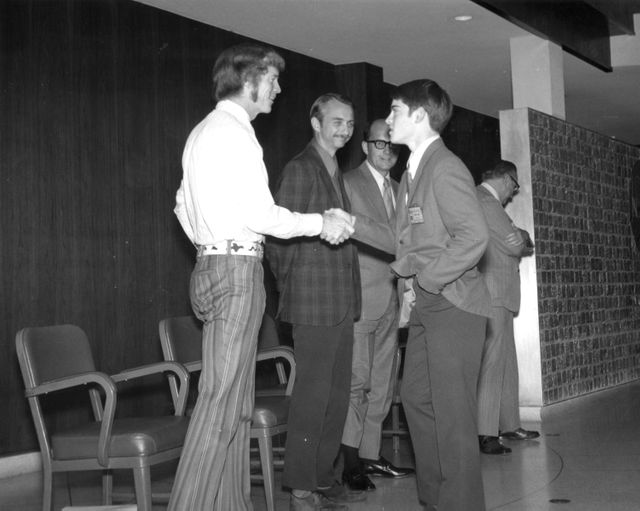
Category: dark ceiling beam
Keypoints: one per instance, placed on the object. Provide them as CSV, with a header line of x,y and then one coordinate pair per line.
x,y
619,13
575,25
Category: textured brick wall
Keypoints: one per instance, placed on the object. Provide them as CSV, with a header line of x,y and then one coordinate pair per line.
x,y
588,266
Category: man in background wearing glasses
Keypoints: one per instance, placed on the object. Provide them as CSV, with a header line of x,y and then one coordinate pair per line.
x,y
498,406
372,193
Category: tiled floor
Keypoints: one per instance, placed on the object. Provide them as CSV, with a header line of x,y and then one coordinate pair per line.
x,y
587,459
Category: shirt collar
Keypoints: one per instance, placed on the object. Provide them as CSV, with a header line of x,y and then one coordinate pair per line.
x,y
234,109
330,162
377,175
416,155
491,190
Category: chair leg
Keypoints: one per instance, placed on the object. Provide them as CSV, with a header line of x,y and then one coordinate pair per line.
x,y
107,488
47,488
282,376
266,462
395,407
142,479
395,426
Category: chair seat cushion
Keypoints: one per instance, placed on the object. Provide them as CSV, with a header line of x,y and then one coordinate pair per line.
x,y
140,436
270,411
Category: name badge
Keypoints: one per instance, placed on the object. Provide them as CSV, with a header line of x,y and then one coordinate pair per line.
x,y
415,215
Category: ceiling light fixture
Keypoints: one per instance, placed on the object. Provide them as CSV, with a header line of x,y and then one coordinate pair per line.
x,y
463,17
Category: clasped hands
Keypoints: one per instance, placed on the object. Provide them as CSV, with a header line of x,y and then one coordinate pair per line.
x,y
337,226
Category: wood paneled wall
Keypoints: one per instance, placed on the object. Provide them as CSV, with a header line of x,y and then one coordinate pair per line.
x,y
474,138
96,100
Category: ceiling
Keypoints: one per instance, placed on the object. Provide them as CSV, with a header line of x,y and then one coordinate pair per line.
x,y
412,39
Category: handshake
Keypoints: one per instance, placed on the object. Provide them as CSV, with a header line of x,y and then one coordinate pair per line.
x,y
337,226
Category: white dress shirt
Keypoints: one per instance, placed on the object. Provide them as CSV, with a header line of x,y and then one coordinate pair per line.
x,y
416,156
224,194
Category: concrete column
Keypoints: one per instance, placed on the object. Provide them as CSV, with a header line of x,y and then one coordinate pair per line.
x,y
537,77
515,147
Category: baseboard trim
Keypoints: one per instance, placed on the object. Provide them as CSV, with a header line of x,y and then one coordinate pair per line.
x,y
11,466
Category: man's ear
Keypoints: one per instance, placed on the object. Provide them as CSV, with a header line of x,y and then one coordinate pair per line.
x,y
419,114
365,148
247,88
315,124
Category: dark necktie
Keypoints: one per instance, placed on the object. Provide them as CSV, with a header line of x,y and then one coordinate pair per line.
x,y
335,179
387,197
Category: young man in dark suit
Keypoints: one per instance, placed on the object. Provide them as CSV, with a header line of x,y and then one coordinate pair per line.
x,y
441,234
319,287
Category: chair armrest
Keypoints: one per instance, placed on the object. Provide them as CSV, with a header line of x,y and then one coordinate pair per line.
x,y
107,414
161,367
191,367
145,370
194,367
77,380
277,352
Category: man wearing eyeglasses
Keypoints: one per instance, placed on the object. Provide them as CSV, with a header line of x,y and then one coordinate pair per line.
x,y
498,406
372,193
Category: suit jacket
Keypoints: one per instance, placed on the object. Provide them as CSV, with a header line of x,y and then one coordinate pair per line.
x,y
441,232
500,262
318,282
378,281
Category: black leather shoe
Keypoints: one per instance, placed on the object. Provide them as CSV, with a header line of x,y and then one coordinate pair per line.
x,y
382,467
519,434
357,481
492,445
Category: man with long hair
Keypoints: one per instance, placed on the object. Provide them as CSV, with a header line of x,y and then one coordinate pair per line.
x,y
225,208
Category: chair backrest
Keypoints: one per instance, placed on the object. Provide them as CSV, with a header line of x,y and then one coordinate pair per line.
x,y
268,336
51,352
181,339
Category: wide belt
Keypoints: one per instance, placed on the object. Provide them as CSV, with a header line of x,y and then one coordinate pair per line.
x,y
233,247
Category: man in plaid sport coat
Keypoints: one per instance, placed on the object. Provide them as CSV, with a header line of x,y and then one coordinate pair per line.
x,y
319,287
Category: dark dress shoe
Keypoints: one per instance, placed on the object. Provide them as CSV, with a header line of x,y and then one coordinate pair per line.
x,y
520,434
357,480
492,445
382,467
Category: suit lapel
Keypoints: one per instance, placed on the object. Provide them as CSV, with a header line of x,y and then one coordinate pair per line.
x,y
326,178
394,187
346,205
487,193
415,184
401,206
372,192
406,191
